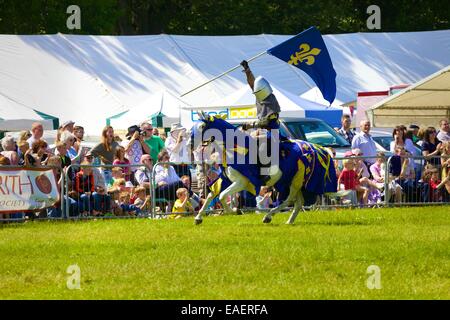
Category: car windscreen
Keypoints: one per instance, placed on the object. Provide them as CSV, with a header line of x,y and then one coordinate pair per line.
x,y
317,132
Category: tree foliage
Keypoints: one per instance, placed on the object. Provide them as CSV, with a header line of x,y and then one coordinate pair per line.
x,y
219,17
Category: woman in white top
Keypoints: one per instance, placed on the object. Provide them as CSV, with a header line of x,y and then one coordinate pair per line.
x,y
176,145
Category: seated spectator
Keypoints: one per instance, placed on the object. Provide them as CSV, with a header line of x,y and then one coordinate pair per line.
x,y
143,174
38,154
195,200
349,179
378,171
143,200
182,204
4,161
264,199
9,150
22,147
127,207
98,176
434,182
116,209
84,186
117,173
166,179
55,211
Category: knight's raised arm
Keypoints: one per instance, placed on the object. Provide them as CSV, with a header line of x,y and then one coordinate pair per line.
x,y
248,73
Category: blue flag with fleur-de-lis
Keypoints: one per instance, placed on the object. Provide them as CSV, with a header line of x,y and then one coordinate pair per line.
x,y
307,51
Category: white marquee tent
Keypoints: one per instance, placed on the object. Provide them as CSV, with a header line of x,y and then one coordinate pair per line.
x,y
424,103
16,117
161,109
89,78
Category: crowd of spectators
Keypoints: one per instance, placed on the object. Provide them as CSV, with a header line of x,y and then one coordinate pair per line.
x,y
114,177
418,170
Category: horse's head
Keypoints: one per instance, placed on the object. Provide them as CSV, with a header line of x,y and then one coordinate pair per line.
x,y
208,129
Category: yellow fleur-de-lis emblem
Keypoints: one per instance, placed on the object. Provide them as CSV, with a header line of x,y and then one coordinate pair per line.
x,y
306,54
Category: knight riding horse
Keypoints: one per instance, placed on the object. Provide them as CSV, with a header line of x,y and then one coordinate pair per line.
x,y
305,170
267,111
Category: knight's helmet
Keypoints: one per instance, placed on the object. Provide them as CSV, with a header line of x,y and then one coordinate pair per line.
x,y
261,88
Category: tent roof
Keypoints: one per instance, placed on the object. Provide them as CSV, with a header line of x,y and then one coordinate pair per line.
x,y
88,78
161,102
423,103
15,116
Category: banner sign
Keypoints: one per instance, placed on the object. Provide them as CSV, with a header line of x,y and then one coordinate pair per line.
x,y
232,113
27,189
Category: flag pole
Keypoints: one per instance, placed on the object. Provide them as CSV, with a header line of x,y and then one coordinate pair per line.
x,y
222,74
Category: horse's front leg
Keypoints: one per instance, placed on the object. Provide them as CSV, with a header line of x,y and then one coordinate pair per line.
x,y
199,217
232,189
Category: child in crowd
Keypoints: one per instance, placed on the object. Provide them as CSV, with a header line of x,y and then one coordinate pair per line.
x,y
117,173
182,204
84,186
127,208
142,199
119,158
434,182
264,200
116,209
349,178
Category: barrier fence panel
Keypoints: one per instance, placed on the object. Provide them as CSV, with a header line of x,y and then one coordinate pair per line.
x,y
28,193
396,180
107,191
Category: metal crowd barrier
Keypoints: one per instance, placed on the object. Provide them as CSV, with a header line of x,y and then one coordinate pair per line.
x,y
406,181
109,194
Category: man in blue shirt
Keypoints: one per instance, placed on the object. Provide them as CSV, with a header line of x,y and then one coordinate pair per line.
x,y
364,141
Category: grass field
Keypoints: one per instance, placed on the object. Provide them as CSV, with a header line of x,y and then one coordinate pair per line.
x,y
324,256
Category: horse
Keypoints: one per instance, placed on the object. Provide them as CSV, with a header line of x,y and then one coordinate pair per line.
x,y
305,170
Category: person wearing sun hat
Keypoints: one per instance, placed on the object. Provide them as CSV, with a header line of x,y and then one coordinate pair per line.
x,y
68,126
176,145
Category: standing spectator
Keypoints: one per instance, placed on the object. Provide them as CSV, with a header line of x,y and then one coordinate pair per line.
x,y
9,150
154,143
119,158
37,131
176,145
156,132
364,141
68,126
78,132
105,150
415,133
69,139
345,131
444,132
135,147
431,146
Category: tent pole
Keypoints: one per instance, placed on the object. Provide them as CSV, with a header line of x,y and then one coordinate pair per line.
x,y
223,74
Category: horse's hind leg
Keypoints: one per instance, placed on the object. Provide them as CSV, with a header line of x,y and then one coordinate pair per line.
x,y
297,208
